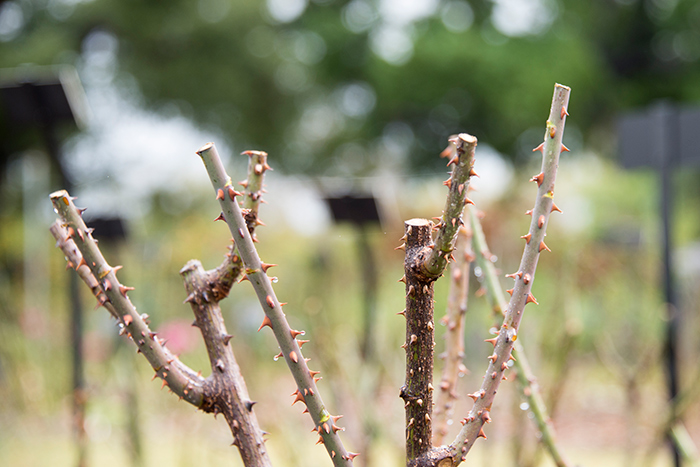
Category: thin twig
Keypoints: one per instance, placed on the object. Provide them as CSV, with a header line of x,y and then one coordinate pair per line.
x,y
255,272
521,293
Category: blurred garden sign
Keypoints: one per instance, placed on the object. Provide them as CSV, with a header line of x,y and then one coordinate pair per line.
x,y
46,99
663,137
362,211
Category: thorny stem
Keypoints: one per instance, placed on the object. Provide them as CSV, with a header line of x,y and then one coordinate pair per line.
x,y
521,294
528,383
232,267
417,392
176,375
306,392
229,394
451,220
425,261
454,335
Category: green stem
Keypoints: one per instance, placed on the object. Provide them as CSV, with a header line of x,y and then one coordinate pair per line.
x,y
451,219
307,391
454,334
176,375
521,294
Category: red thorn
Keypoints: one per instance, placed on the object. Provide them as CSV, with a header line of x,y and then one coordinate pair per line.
x,y
266,266
526,279
539,148
243,183
220,194
270,301
124,289
564,113
555,208
510,292
460,188
564,148
352,455
107,285
165,383
295,333
472,173
515,274
233,193
539,178
492,341
481,433
531,299
454,160
528,212
401,247
403,279
244,277
301,342
540,221
448,182
320,440
543,246
128,319
220,217
293,357
299,397
527,238
468,201
266,322
82,262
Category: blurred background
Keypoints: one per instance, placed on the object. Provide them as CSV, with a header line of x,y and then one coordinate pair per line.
x,y
111,99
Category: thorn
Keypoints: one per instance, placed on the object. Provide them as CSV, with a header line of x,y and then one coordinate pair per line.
x,y
220,217
454,160
403,279
468,201
227,338
244,277
472,173
296,333
233,193
249,405
510,292
531,299
124,289
540,221
448,182
564,113
528,212
299,397
493,358
220,194
481,291
266,322
492,341
514,275
190,298
401,247
128,319
243,183
555,208
564,148
543,246
539,148
293,357
539,178
301,342
266,266
320,440
352,455
314,373
270,302
526,279
402,312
